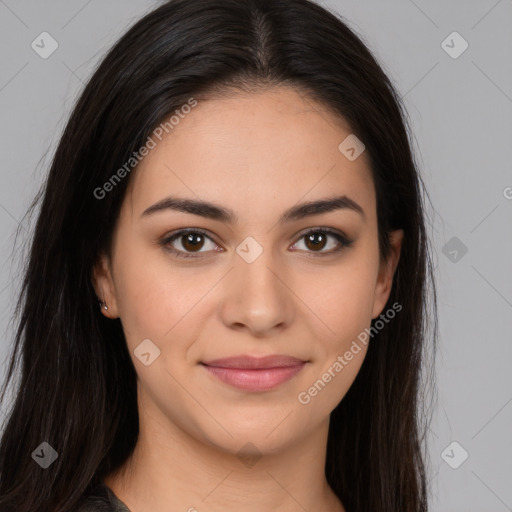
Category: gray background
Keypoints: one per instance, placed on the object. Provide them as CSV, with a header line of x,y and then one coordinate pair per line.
x,y
460,110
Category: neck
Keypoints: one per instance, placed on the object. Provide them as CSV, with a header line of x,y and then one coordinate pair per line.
x,y
171,467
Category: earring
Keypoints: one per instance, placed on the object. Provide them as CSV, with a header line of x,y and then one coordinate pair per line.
x,y
101,303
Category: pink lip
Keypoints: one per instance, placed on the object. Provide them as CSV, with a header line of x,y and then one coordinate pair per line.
x,y
255,374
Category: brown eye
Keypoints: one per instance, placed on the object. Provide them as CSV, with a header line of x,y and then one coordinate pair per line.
x,y
192,241
185,243
318,239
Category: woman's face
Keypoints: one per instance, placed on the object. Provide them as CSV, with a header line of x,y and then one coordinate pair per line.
x,y
251,284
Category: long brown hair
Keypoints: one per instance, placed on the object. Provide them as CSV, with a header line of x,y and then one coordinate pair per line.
x,y
77,384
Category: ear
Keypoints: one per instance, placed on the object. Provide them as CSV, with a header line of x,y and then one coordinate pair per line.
x,y
386,273
104,286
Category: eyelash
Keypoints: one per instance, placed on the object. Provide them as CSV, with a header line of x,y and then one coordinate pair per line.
x,y
342,240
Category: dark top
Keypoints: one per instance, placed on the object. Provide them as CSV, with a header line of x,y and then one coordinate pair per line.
x,y
102,499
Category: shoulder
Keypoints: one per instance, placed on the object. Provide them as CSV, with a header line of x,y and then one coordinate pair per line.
x,y
101,499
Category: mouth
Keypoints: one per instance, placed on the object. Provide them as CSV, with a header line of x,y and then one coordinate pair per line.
x,y
255,373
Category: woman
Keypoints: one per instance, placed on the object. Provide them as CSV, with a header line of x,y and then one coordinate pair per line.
x,y
236,189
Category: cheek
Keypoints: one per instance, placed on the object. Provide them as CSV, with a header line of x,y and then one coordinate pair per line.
x,y
345,310
158,300
342,299
144,291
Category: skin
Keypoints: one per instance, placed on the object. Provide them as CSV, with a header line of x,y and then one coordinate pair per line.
x,y
257,154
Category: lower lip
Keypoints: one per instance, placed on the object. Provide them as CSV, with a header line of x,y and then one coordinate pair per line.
x,y
255,380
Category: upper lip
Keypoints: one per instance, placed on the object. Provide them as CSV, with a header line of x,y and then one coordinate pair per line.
x,y
245,362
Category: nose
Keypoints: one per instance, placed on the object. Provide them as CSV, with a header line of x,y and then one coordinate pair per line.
x,y
257,298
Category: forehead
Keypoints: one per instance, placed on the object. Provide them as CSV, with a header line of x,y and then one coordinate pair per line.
x,y
252,151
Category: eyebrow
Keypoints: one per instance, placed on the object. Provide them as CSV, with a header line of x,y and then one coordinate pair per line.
x,y
226,215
